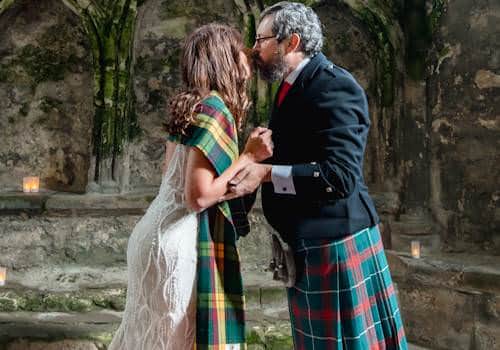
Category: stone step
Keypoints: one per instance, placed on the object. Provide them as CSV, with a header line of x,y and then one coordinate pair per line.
x,y
413,225
15,298
94,330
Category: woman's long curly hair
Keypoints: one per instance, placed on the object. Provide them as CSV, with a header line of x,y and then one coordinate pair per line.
x,y
211,60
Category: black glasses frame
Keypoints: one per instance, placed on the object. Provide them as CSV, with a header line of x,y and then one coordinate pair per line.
x,y
258,40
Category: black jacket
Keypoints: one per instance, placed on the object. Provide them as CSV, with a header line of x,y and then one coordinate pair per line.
x,y
321,129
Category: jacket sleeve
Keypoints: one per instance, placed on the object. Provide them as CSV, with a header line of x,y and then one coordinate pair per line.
x,y
341,110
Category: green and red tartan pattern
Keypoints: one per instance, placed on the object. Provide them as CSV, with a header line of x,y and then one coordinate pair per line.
x,y
220,318
344,297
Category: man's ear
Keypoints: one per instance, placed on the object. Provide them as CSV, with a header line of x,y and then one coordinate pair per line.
x,y
294,43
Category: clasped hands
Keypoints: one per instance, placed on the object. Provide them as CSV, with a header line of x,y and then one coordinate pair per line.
x,y
258,148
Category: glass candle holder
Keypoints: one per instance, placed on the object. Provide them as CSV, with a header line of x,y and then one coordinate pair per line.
x,y
3,275
31,184
415,249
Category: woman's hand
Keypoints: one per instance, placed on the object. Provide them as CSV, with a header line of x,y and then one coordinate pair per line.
x,y
259,145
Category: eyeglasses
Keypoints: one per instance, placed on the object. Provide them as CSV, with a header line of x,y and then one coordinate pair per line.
x,y
259,39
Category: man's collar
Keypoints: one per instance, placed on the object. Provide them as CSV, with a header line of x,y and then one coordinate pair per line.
x,y
290,79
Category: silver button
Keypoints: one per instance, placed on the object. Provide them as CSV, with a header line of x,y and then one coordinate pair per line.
x,y
313,163
329,189
316,174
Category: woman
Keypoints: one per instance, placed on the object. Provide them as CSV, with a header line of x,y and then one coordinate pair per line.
x,y
185,286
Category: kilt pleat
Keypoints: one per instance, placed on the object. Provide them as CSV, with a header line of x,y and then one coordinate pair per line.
x,y
344,298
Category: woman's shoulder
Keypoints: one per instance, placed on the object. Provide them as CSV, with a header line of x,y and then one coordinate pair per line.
x,y
214,101
213,106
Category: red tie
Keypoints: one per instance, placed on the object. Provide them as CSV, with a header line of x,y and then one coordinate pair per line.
x,y
283,91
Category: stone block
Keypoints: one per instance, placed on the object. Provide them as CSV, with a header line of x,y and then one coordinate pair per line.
x,y
437,318
56,345
386,202
486,336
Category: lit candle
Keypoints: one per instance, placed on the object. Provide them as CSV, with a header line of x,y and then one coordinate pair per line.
x,y
35,184
31,184
3,275
415,249
26,184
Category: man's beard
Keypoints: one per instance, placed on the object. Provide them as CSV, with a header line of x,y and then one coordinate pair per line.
x,y
271,71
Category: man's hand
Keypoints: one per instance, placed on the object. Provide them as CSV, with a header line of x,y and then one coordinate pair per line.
x,y
247,180
259,145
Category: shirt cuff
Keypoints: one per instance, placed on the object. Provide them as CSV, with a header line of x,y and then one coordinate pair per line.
x,y
281,176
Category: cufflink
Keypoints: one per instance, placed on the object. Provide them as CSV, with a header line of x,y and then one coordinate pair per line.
x,y
313,163
316,174
329,189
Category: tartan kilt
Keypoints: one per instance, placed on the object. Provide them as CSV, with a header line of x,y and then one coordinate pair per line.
x,y
344,297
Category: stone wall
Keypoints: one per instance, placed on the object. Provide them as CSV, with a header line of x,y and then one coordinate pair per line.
x,y
45,97
464,117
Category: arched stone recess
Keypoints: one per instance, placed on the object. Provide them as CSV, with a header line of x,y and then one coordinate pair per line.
x,y
110,27
162,25
46,81
363,39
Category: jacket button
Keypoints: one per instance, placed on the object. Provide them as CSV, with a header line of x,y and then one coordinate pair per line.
x,y
316,174
329,189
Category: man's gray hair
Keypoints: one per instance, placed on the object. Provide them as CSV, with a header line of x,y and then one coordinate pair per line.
x,y
294,17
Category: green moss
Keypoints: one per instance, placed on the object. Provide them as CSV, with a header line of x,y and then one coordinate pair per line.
x,y
43,64
379,27
66,303
115,121
271,337
47,104
5,4
30,302
7,304
279,342
250,30
253,338
104,338
438,10
62,302
419,24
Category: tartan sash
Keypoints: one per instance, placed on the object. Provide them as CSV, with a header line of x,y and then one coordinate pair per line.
x,y
220,301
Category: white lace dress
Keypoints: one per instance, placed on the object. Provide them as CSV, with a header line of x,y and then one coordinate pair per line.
x,y
160,311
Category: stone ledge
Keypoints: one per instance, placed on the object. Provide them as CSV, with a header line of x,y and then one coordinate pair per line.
x,y
468,273
98,326
54,203
61,203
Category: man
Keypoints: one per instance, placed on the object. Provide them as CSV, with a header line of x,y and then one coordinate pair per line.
x,y
313,191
